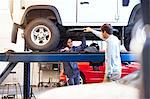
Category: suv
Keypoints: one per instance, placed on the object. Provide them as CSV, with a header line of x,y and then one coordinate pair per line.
x,y
46,22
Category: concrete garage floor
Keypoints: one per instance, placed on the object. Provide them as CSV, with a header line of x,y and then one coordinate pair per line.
x,y
36,91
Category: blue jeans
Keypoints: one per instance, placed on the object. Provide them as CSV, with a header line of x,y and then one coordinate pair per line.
x,y
74,80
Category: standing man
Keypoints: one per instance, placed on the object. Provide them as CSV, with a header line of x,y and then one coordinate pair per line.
x,y
112,57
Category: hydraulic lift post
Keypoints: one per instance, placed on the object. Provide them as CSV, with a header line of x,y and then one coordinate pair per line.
x,y
26,88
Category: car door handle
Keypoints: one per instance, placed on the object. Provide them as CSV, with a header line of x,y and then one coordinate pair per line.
x,y
84,2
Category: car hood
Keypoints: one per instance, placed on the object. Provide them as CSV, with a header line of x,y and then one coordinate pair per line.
x,y
111,90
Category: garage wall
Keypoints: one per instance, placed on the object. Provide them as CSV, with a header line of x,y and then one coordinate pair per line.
x,y
6,28
5,36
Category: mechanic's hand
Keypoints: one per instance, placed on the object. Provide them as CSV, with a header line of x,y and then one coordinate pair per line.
x,y
65,49
88,29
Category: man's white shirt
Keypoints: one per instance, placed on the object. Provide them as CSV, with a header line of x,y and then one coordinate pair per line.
x,y
112,53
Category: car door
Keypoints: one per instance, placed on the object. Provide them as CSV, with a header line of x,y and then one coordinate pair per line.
x,y
97,11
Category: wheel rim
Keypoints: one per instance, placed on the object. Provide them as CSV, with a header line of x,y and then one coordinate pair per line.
x,y
40,35
81,80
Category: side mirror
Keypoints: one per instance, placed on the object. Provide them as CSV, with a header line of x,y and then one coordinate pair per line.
x,y
125,2
126,63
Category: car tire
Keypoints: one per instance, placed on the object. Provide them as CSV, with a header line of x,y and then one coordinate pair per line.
x,y
138,37
129,30
133,35
127,37
41,34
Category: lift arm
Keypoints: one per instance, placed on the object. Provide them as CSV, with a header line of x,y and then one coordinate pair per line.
x,y
61,57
